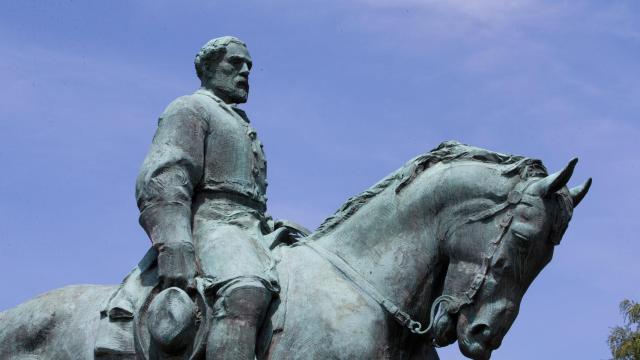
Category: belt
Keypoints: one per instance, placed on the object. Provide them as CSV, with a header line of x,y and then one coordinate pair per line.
x,y
204,195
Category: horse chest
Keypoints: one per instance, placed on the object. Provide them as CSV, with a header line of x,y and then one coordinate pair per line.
x,y
326,317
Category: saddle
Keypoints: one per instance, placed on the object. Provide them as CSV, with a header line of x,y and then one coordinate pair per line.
x,y
139,321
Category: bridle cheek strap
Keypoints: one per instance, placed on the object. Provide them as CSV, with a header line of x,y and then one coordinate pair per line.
x,y
513,198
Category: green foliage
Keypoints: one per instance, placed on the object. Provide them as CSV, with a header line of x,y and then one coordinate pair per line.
x,y
624,341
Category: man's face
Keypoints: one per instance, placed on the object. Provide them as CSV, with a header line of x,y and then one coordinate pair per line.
x,y
230,80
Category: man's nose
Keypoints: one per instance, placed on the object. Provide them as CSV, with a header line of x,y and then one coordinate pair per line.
x,y
245,70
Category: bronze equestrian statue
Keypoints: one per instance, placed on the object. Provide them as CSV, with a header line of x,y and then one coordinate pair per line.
x,y
443,249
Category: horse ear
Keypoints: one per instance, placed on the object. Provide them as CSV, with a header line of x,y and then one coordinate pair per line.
x,y
556,181
578,192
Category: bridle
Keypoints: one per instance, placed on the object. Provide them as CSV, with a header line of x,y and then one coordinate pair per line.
x,y
454,303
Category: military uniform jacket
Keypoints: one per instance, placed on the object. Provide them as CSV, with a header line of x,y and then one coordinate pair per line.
x,y
202,145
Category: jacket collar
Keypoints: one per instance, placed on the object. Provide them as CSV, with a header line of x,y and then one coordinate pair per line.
x,y
232,109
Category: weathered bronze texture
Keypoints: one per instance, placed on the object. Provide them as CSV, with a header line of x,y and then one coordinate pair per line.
x,y
441,250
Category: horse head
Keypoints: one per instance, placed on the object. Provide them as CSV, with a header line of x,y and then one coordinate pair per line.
x,y
494,254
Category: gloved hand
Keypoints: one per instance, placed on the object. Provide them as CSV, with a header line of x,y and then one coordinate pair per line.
x,y
177,265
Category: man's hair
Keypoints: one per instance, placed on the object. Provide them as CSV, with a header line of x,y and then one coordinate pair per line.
x,y
212,52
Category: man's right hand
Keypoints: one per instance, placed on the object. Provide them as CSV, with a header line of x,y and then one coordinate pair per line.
x,y
177,265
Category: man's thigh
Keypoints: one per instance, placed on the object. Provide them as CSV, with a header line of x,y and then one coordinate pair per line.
x,y
228,251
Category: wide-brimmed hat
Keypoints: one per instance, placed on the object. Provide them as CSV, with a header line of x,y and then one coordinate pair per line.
x,y
172,324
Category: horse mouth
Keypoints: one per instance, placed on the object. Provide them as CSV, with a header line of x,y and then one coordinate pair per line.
x,y
474,349
444,328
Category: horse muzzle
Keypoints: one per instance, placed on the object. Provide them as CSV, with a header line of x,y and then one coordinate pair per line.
x,y
477,339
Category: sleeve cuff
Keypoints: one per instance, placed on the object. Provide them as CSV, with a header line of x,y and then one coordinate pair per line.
x,y
169,222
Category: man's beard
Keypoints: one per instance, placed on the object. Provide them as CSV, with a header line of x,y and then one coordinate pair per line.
x,y
239,96
234,95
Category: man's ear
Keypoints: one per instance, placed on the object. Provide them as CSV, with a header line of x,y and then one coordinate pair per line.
x,y
206,75
206,71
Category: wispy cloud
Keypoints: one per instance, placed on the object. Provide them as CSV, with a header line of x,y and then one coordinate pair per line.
x,y
488,10
454,18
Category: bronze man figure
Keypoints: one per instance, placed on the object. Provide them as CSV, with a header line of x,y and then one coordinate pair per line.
x,y
201,195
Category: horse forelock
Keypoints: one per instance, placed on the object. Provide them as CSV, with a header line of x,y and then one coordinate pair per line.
x,y
446,152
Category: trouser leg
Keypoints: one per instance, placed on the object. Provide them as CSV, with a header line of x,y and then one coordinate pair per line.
x,y
238,314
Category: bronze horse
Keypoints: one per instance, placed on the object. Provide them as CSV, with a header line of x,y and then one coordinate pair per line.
x,y
441,250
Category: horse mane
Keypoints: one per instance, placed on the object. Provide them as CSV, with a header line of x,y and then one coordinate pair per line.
x,y
447,151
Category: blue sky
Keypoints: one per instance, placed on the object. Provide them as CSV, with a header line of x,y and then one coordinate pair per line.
x,y
342,94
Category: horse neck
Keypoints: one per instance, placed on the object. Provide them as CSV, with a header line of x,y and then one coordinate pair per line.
x,y
397,241
389,243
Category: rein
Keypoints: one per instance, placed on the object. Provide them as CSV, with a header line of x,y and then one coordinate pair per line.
x,y
402,317
454,303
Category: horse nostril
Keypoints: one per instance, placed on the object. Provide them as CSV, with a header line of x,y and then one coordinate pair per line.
x,y
481,331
